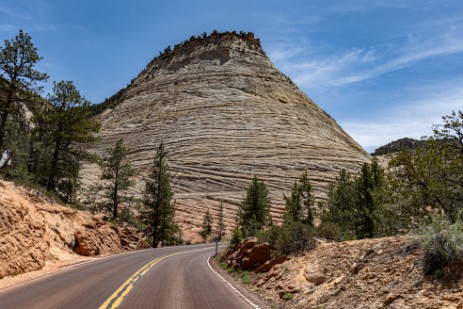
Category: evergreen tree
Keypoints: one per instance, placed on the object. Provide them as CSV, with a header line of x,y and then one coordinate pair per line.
x,y
432,175
293,206
299,202
65,127
118,172
254,212
370,178
207,225
341,212
221,225
18,77
352,202
159,208
307,198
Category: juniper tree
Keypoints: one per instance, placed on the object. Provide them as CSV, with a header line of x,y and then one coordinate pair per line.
x,y
118,171
18,77
159,206
254,212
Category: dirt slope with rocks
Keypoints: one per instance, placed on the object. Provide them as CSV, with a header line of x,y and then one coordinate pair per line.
x,y
224,113
35,231
370,273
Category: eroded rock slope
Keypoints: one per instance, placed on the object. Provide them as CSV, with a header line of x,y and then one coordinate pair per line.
x,y
224,113
34,230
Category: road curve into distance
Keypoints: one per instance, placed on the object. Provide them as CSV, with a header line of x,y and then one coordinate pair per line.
x,y
171,277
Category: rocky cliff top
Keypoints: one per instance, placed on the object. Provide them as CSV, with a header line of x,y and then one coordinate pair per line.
x,y
224,113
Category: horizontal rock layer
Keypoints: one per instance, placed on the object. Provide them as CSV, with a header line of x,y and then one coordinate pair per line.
x,y
224,114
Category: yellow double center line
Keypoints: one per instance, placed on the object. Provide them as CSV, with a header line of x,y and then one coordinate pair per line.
x,y
117,297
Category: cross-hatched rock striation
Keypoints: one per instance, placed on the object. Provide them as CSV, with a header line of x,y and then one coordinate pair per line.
x,y
224,113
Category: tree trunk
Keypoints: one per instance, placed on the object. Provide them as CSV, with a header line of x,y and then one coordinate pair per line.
x,y
4,117
5,158
115,199
54,163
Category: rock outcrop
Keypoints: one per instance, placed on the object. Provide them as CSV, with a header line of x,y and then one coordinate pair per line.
x,y
224,113
251,255
369,273
33,228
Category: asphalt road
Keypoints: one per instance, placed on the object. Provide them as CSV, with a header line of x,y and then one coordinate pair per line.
x,y
172,277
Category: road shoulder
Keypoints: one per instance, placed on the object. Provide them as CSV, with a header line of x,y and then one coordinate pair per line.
x,y
245,289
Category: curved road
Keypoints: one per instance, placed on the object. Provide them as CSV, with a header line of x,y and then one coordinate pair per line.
x,y
171,277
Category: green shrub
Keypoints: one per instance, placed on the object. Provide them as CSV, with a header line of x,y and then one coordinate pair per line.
x,y
269,235
288,296
245,277
237,237
442,243
295,238
330,231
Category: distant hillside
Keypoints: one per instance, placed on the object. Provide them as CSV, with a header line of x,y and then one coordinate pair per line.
x,y
398,145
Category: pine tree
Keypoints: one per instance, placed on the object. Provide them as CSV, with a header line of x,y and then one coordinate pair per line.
x,y
370,178
341,207
159,208
18,77
299,202
254,212
293,206
307,198
118,172
65,127
207,225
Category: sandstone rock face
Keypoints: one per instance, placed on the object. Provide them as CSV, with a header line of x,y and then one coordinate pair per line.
x,y
248,255
369,273
224,113
32,228
24,241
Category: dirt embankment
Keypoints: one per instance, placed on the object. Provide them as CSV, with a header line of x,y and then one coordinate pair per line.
x,y
370,273
38,234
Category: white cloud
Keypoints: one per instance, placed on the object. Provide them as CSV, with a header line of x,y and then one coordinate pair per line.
x,y
411,116
357,65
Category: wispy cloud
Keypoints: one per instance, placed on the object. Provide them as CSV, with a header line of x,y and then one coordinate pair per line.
x,y
360,64
31,16
410,116
13,13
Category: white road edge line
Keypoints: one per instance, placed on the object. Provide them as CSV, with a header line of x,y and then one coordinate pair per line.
x,y
232,287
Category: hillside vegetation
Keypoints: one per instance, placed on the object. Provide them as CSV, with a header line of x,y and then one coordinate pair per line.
x,y
398,145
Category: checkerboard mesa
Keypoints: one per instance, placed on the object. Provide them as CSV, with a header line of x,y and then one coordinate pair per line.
x,y
224,113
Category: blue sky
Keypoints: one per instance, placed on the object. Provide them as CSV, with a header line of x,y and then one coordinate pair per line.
x,y
382,69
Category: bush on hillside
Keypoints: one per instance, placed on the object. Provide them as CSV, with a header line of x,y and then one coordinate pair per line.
x,y
293,238
236,238
442,243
